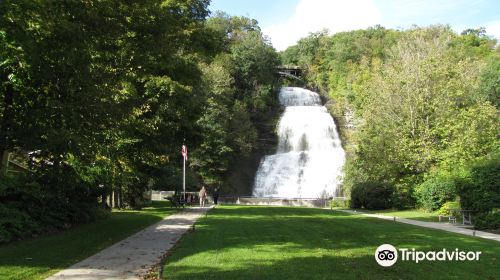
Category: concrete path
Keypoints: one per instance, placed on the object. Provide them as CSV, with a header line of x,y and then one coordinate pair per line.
x,y
133,257
433,225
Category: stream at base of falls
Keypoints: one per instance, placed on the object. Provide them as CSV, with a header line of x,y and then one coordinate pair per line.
x,y
309,158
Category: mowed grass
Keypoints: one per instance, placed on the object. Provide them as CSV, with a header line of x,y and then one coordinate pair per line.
x,y
41,257
414,214
245,242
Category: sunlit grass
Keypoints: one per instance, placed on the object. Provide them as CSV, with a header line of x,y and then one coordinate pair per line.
x,y
244,242
44,256
414,214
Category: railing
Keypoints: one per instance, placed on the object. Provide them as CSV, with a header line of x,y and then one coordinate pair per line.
x,y
252,200
294,67
289,75
162,195
277,201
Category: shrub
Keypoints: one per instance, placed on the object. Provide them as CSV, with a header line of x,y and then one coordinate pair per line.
x,y
340,203
27,209
445,208
403,198
489,220
480,192
371,195
358,194
435,191
12,223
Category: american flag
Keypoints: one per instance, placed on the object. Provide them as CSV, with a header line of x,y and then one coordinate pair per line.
x,y
184,152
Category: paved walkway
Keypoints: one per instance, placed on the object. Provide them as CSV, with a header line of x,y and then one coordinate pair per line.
x,y
440,226
134,256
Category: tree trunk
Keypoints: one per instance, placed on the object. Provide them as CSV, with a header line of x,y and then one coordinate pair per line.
x,y
6,119
110,199
115,198
104,199
120,197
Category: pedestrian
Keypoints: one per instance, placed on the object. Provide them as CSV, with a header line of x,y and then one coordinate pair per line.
x,y
203,196
216,195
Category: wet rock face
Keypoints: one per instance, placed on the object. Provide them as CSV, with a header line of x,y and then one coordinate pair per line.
x,y
309,158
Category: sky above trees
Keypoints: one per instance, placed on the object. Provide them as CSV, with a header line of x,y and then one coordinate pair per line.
x,y
286,21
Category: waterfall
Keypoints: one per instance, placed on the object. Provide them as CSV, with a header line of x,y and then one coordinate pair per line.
x,y
309,159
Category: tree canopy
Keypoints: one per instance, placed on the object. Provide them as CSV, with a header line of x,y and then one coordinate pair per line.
x,y
99,96
416,108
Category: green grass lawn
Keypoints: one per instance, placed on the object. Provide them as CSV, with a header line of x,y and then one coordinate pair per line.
x,y
245,242
414,214
41,257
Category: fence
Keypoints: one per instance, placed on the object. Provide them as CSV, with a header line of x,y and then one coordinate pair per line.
x,y
250,200
162,195
277,201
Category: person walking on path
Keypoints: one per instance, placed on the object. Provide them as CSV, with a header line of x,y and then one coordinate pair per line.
x,y
216,195
203,196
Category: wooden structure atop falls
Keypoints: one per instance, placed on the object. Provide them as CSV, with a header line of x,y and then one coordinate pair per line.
x,y
289,71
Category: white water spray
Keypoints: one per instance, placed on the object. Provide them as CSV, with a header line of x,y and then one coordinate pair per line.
x,y
309,159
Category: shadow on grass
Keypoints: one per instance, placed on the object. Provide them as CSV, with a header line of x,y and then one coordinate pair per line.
x,y
40,257
241,242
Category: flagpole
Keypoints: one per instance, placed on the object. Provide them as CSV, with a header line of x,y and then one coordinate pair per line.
x,y
184,157
184,179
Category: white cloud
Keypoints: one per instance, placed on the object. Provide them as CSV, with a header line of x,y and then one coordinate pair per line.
x,y
405,13
316,15
417,9
493,29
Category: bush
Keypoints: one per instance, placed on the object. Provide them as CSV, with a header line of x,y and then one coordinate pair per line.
x,y
27,209
403,198
489,220
371,195
357,197
445,209
480,192
435,191
13,223
340,203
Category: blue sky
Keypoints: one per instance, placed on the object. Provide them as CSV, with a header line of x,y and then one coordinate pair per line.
x,y
286,21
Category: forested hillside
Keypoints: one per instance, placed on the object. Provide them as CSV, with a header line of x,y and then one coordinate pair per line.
x,y
418,113
99,96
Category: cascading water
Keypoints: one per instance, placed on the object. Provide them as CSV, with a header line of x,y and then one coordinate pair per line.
x,y
309,159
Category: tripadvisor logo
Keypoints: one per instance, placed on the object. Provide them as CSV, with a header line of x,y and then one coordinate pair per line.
x,y
387,255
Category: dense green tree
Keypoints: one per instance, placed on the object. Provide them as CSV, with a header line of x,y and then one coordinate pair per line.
x,y
212,156
239,86
490,80
101,93
423,112
414,107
